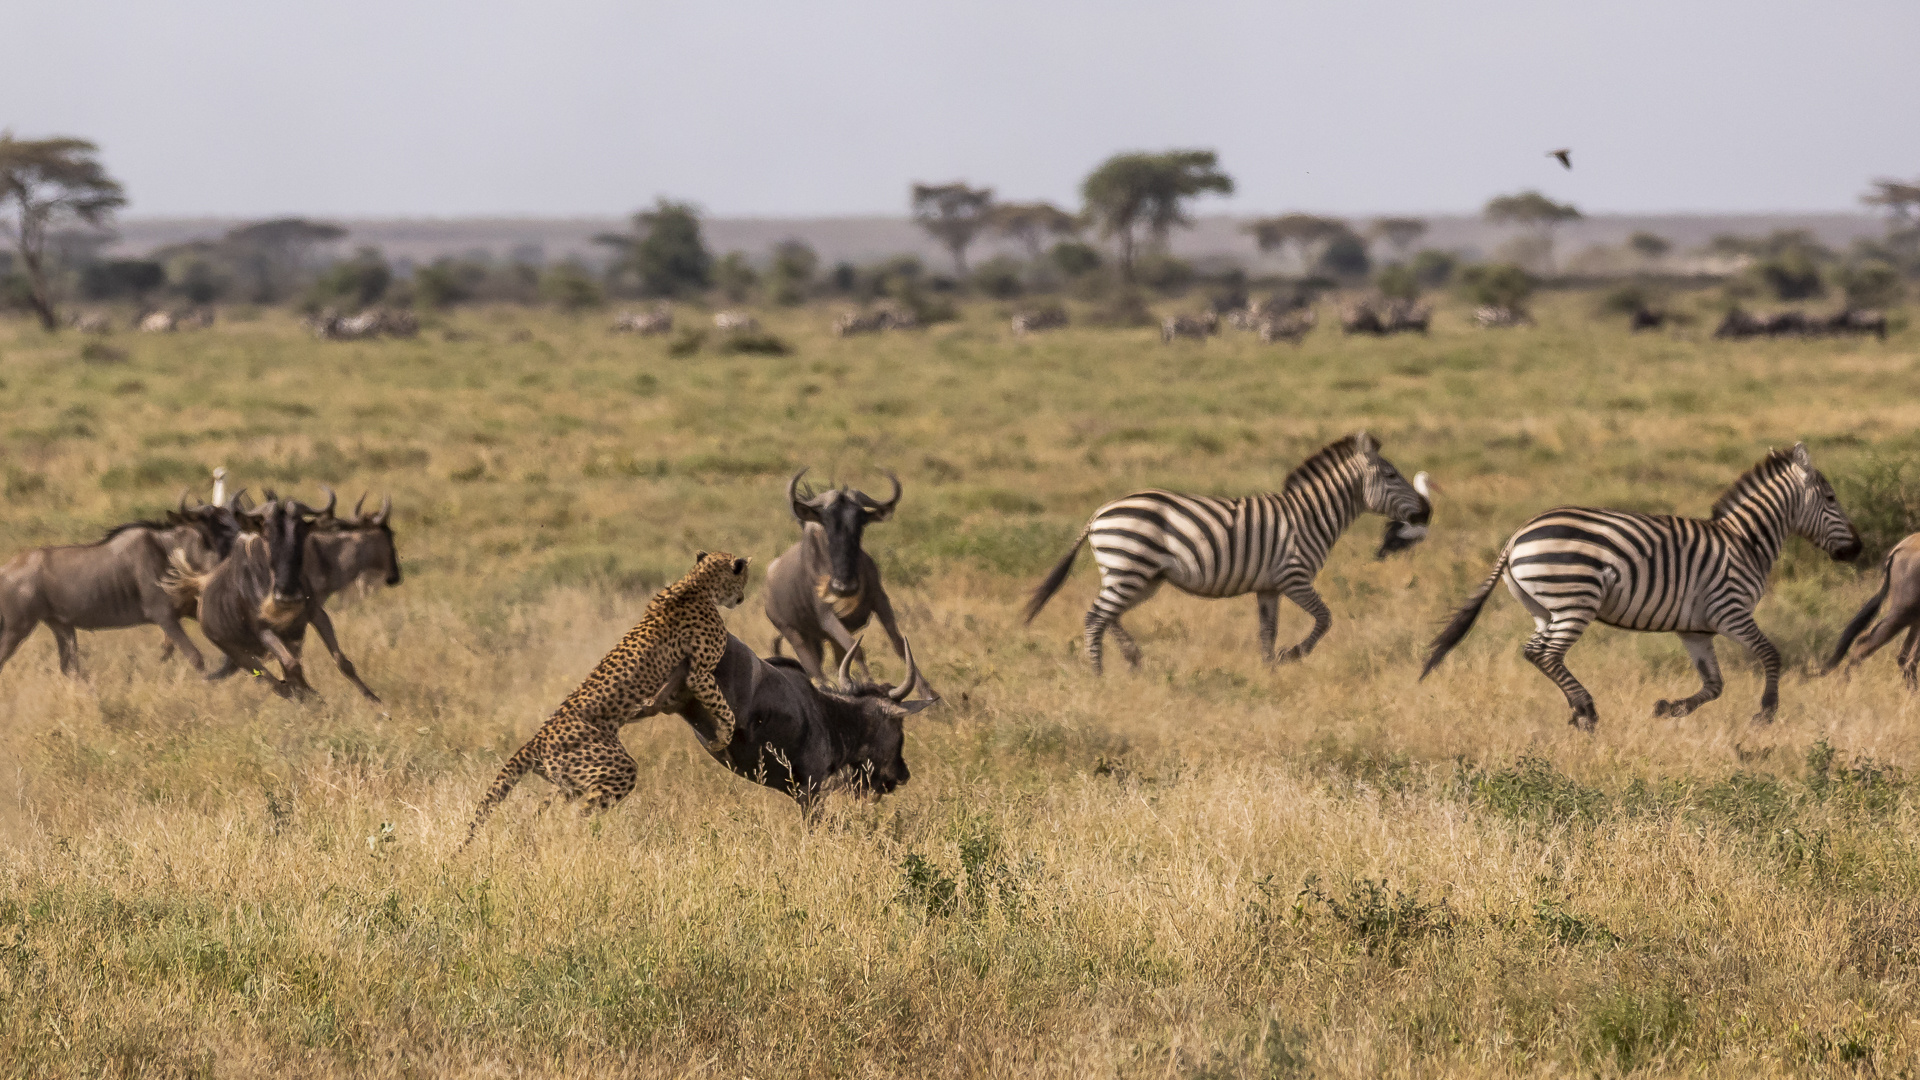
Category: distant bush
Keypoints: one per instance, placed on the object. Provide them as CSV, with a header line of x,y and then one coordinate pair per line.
x,y
569,287
1000,278
1882,499
1073,258
1433,268
1791,275
1628,298
1126,309
1869,284
790,278
1163,273
1497,284
1398,282
445,282
1345,257
115,279
357,282
757,343
734,276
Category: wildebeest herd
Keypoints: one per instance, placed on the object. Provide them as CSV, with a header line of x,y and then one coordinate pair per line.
x,y
257,577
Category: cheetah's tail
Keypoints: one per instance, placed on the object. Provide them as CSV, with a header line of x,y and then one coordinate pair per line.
x,y
510,774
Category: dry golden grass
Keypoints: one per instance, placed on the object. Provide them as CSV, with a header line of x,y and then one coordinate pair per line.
x,y
1205,868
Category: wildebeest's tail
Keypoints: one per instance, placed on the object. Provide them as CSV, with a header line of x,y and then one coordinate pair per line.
x,y
1863,616
182,583
516,767
1054,579
1462,620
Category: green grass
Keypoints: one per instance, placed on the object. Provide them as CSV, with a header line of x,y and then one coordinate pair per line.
x,y
1205,868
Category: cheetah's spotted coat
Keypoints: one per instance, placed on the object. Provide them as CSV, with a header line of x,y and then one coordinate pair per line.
x,y
578,748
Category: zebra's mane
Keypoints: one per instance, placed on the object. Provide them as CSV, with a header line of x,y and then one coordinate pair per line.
x,y
1330,456
1770,467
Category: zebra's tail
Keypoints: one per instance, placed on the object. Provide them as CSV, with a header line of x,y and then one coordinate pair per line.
x,y
1864,616
1058,575
1462,620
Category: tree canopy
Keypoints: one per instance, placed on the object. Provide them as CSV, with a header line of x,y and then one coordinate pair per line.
x,y
1897,197
1529,208
1399,232
1309,234
665,251
1131,191
1032,224
953,214
45,183
270,257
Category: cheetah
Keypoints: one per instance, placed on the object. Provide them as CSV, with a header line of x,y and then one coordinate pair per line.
x,y
578,748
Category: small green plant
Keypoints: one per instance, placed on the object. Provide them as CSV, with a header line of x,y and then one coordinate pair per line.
x,y
1532,790
1630,1026
1499,284
754,343
686,342
1385,922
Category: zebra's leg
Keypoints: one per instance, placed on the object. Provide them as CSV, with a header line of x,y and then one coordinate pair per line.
x,y
1700,647
1741,628
1128,648
1547,650
1269,623
1119,592
1310,602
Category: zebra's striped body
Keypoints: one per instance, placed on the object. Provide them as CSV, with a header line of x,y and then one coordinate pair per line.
x,y
1272,545
1687,576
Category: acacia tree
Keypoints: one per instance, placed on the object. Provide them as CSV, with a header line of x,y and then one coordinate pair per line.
x,y
1309,234
953,214
1032,223
664,251
272,256
45,183
1897,198
1399,232
1132,191
1533,211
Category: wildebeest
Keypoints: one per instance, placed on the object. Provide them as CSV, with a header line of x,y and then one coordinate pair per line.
x,y
1361,319
112,583
1900,578
1291,327
825,588
256,603
1646,319
1406,317
1197,327
341,553
646,324
1032,321
794,737
371,323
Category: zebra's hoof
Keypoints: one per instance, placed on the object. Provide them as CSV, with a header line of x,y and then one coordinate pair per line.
x,y
1671,709
1764,716
1585,721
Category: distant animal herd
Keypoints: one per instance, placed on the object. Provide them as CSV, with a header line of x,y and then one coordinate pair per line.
x,y
257,577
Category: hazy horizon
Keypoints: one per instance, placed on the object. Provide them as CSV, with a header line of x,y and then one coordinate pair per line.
x,y
760,110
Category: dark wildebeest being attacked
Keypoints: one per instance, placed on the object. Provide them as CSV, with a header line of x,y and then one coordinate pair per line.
x,y
342,553
1900,579
114,582
256,603
825,588
794,737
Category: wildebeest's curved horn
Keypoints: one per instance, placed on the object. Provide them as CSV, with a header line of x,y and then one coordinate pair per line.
x,y
795,502
885,509
1420,485
845,675
358,505
183,502
899,693
237,503
332,501
386,510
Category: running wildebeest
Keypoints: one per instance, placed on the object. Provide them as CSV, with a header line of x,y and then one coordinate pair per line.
x,y
1901,578
112,583
340,553
256,603
825,588
794,737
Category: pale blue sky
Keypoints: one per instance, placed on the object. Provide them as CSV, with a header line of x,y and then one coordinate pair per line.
x,y
360,108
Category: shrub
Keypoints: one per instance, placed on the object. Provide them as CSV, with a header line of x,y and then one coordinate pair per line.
x,y
1345,257
761,344
686,342
569,287
1398,282
1627,299
117,278
1871,284
1074,258
790,277
1499,284
445,282
999,278
357,282
734,276
1791,275
1383,922
1882,497
1163,273
1433,268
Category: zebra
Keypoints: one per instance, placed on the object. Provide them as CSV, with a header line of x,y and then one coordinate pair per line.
x,y
1198,327
1661,574
735,322
1270,545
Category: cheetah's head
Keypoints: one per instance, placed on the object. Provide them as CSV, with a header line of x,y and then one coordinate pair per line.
x,y
726,576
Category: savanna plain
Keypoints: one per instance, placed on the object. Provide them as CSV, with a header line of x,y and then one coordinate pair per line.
x,y
1205,867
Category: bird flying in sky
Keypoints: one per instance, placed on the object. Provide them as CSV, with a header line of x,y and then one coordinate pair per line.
x,y
1565,156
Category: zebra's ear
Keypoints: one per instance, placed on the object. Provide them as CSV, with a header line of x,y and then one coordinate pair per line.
x,y
1365,443
1801,457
